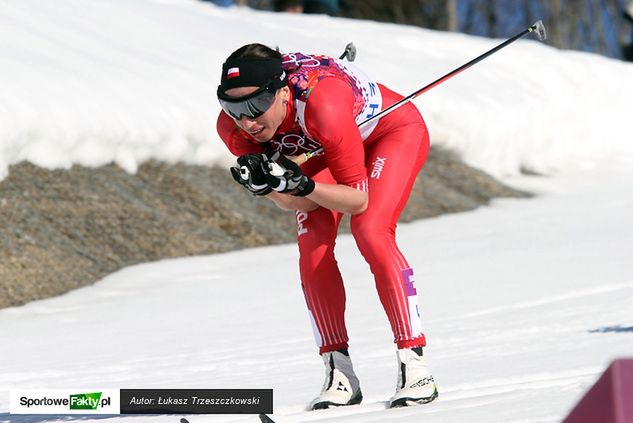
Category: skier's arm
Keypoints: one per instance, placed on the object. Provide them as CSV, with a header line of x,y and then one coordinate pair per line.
x,y
289,202
331,196
286,177
339,197
330,119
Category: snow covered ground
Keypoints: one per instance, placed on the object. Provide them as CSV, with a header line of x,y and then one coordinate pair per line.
x,y
521,302
524,303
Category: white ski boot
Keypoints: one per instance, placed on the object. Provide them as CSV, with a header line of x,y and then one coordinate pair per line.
x,y
341,385
415,383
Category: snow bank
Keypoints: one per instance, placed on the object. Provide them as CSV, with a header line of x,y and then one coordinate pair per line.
x,y
125,81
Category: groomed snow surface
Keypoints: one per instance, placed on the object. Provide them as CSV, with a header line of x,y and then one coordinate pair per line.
x,y
524,303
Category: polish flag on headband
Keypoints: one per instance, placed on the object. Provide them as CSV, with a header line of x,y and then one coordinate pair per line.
x,y
233,73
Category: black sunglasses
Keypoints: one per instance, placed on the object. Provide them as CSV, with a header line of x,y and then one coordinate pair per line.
x,y
251,105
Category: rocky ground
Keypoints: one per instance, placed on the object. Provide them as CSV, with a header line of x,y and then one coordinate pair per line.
x,y
63,229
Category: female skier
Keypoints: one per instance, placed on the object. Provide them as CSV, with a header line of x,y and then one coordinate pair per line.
x,y
276,107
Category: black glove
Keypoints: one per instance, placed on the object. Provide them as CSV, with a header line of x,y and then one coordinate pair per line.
x,y
249,174
286,176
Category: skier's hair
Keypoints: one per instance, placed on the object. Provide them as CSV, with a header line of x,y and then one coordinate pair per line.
x,y
255,51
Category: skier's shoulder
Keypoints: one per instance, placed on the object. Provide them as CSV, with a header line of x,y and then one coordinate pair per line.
x,y
332,98
236,140
304,62
226,127
306,71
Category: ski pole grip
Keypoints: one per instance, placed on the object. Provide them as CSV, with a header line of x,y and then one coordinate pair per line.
x,y
302,158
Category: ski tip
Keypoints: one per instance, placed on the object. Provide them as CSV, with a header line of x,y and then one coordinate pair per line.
x,y
265,419
539,29
183,420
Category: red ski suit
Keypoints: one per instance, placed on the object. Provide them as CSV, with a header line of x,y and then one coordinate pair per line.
x,y
328,100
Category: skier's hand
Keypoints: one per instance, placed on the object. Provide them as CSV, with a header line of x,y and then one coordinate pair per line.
x,y
285,176
249,174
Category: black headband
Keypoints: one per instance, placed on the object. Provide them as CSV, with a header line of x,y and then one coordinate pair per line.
x,y
251,72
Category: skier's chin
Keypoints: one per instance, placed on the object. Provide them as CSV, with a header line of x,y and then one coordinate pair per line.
x,y
264,136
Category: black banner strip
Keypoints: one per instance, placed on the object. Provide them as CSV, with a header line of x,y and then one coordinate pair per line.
x,y
196,401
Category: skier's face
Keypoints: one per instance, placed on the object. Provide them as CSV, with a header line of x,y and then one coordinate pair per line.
x,y
263,127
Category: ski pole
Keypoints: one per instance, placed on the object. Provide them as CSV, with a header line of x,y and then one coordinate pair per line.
x,y
538,28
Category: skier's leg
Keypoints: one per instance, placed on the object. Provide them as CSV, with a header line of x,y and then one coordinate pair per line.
x,y
325,296
393,163
320,277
